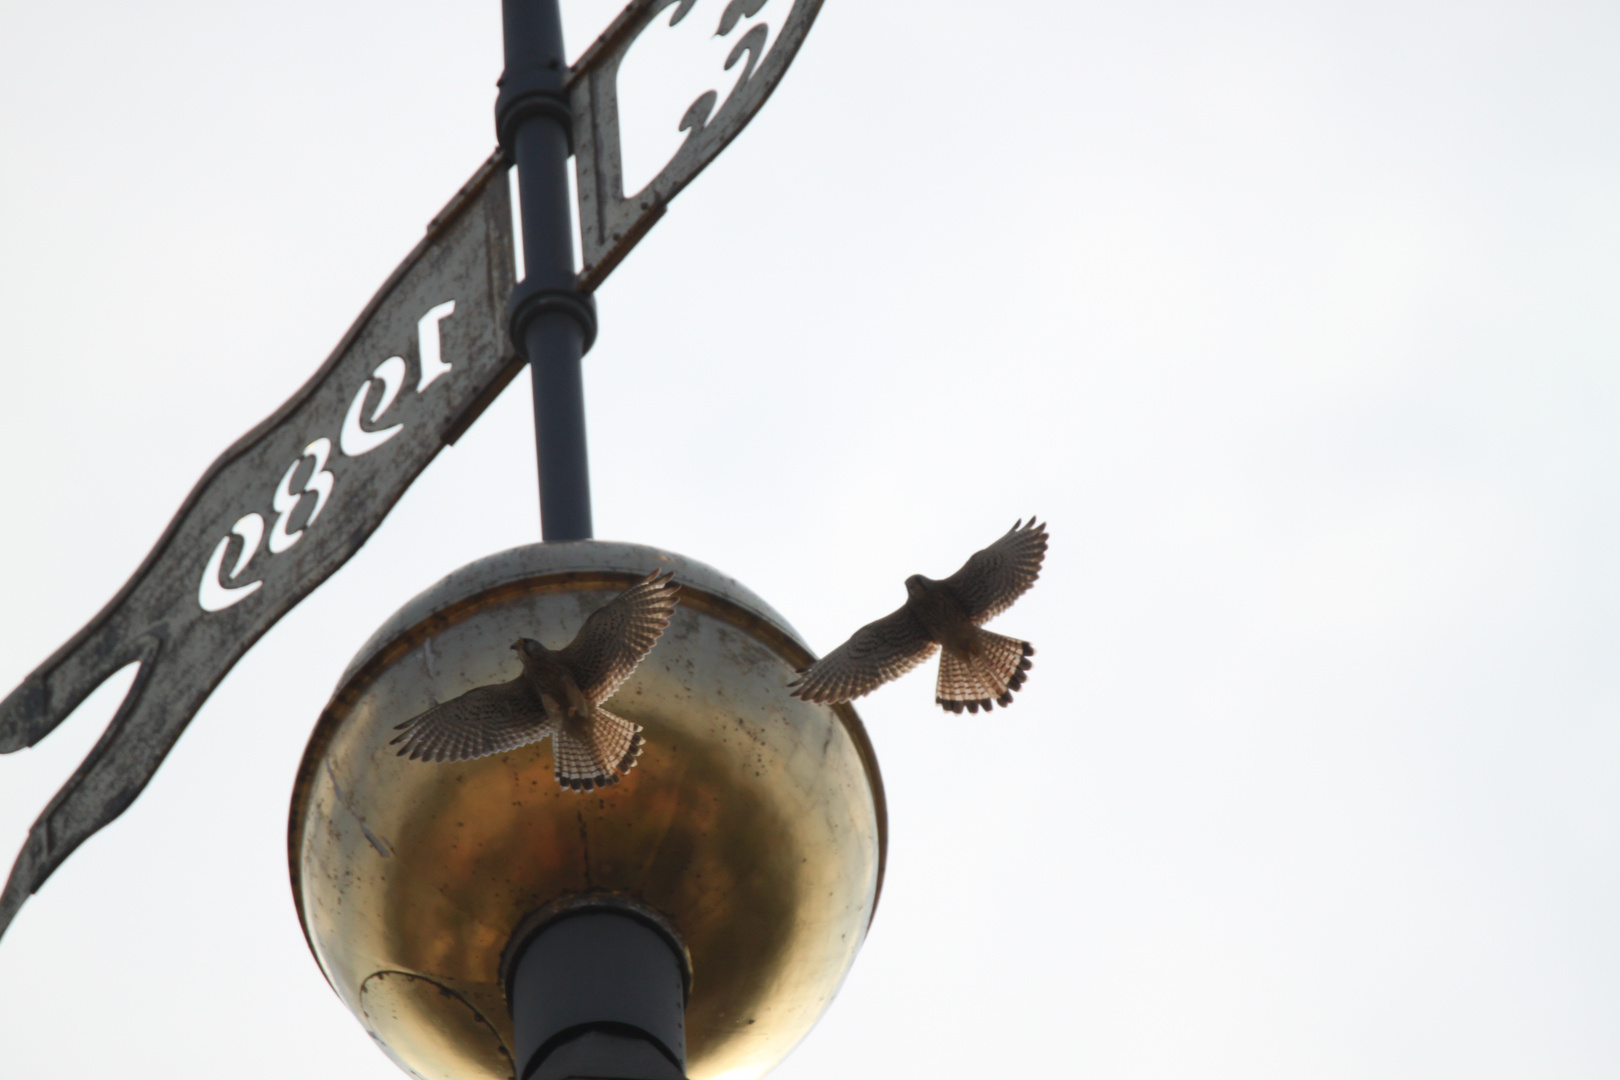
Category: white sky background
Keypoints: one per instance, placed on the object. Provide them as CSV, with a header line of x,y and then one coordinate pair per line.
x,y
1298,323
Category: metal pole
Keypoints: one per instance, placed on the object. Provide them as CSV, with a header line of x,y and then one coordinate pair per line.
x,y
552,324
598,992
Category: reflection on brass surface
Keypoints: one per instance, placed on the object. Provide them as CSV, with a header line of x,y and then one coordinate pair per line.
x,y
454,1042
753,822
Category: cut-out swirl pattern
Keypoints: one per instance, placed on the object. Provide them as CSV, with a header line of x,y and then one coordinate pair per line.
x,y
611,220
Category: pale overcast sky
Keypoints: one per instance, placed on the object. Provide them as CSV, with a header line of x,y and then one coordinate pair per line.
x,y
1299,323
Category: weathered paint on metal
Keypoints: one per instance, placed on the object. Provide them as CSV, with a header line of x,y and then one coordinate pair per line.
x,y
276,515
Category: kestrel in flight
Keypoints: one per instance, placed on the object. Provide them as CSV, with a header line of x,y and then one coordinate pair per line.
x,y
977,668
560,694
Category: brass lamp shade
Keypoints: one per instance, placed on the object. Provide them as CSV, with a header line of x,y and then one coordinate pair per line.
x,y
753,824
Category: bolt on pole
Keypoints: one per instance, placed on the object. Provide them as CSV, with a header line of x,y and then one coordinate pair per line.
x,y
552,324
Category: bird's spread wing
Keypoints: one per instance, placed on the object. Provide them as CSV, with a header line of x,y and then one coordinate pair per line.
x,y
616,636
874,654
992,579
484,720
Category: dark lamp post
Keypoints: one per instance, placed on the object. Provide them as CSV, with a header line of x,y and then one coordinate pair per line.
x,y
599,990
552,324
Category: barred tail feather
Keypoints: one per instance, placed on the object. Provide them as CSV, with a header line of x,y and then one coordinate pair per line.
x,y
597,756
994,667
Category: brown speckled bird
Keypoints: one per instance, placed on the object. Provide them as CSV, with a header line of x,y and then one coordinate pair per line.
x,y
977,668
560,694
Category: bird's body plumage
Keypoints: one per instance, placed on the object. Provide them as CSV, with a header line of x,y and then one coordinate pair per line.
x,y
977,669
559,693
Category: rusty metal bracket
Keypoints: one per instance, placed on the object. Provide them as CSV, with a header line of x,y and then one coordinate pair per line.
x,y
275,516
612,222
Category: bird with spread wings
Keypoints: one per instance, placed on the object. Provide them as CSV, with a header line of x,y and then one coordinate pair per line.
x,y
977,669
559,693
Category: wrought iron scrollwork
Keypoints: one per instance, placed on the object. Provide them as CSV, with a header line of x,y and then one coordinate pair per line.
x,y
612,221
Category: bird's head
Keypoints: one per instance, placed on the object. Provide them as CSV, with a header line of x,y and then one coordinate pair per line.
x,y
916,585
527,647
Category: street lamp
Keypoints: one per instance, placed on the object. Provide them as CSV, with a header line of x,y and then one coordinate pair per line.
x,y
739,861
697,917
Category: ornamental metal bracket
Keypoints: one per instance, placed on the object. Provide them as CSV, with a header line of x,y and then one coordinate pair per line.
x,y
611,223
276,515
